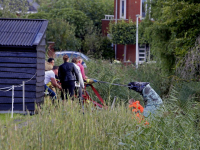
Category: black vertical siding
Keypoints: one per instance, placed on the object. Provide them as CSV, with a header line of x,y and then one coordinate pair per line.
x,y
22,55
16,67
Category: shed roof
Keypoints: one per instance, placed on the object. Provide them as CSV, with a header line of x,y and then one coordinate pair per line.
x,y
21,32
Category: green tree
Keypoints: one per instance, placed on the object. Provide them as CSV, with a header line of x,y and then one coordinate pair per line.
x,y
93,9
107,49
174,29
74,17
92,41
60,31
123,33
63,34
39,15
84,16
10,8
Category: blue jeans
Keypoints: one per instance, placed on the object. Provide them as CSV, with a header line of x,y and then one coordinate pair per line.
x,y
51,92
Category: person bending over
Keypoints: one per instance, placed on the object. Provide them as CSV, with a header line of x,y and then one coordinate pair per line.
x,y
50,85
51,61
50,77
152,101
68,74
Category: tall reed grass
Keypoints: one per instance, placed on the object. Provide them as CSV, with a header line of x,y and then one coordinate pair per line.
x,y
65,125
118,73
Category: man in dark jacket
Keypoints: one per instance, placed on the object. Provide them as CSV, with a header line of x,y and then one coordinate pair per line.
x,y
67,74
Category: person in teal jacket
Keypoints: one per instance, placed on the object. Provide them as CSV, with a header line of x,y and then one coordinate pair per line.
x,y
153,102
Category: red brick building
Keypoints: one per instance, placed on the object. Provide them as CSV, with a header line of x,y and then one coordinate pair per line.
x,y
125,10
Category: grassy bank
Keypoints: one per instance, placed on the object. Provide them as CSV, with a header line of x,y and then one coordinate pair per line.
x,y
64,126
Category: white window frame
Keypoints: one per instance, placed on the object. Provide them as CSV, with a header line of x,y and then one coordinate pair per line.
x,y
122,17
144,49
141,9
149,9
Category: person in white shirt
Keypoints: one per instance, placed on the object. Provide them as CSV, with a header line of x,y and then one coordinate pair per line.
x,y
80,84
50,77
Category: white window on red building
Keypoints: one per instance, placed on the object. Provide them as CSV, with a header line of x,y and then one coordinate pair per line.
x,y
122,9
145,8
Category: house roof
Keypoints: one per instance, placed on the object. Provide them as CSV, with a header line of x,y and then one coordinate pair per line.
x,y
21,32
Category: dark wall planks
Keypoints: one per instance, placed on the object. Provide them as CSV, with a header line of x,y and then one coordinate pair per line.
x,y
18,94
18,60
11,65
19,54
8,75
31,88
19,70
6,100
28,106
16,81
20,64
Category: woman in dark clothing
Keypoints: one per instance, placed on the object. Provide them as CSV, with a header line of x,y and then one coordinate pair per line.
x,y
67,74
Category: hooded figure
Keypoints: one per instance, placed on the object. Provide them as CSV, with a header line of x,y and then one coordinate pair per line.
x,y
152,100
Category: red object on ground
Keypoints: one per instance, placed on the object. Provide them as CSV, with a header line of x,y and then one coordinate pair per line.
x,y
87,97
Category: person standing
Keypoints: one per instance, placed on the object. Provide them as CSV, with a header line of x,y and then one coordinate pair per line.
x,y
80,60
80,84
67,74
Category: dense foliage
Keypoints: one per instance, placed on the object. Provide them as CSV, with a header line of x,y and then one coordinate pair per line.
x,y
73,24
12,8
123,32
174,29
83,17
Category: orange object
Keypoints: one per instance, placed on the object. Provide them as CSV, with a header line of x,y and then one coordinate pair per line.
x,y
138,109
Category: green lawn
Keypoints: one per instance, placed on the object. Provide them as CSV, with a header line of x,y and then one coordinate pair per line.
x,y
7,117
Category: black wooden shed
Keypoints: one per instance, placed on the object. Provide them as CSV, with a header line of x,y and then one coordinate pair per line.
x,y
22,56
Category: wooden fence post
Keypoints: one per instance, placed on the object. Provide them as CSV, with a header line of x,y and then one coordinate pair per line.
x,y
23,83
12,100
